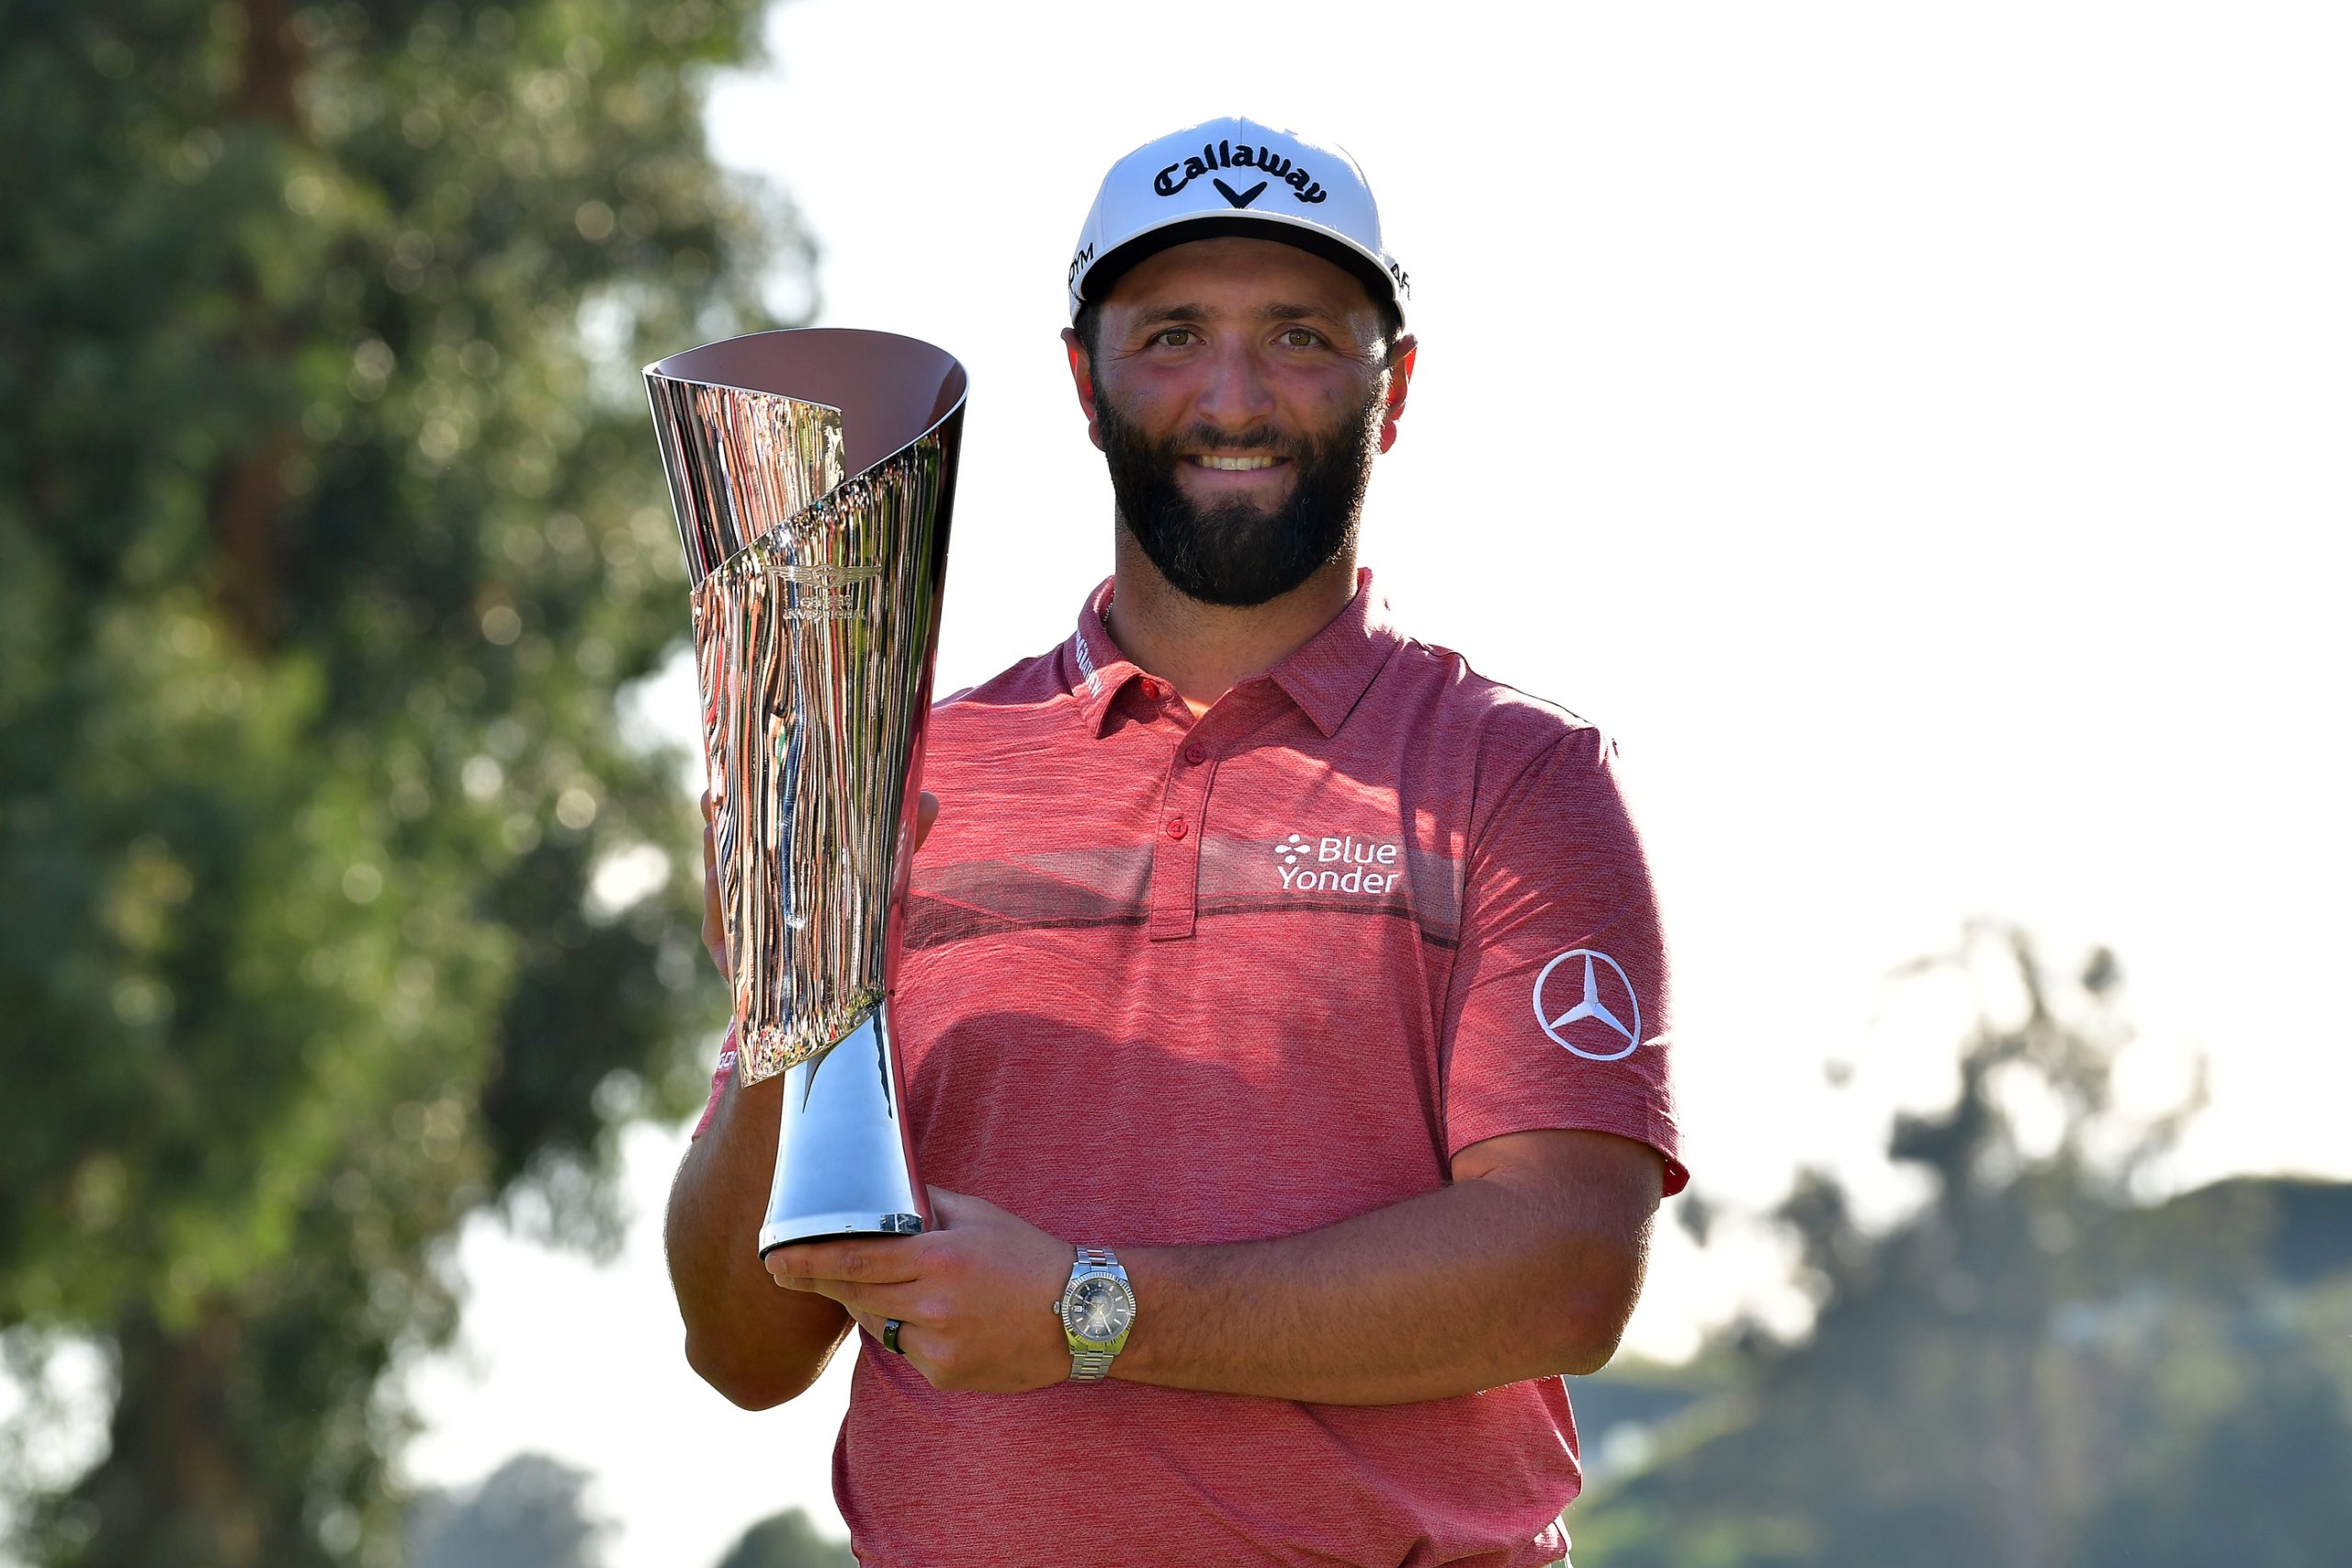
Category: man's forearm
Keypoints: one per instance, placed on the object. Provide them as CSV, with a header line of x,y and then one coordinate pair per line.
x,y
755,1344
1526,1265
1483,1283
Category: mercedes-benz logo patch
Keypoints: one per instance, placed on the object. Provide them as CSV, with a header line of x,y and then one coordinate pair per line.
x,y
1605,996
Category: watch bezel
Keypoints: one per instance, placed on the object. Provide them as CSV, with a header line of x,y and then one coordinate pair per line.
x,y
1069,1308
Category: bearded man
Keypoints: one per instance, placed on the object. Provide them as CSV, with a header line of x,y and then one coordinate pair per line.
x,y
1282,1004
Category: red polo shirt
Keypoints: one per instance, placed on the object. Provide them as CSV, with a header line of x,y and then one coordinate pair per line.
x,y
1171,980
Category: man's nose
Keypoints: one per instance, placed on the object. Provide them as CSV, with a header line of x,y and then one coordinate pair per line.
x,y
1237,394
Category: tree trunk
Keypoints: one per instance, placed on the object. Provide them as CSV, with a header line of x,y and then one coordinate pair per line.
x,y
179,1485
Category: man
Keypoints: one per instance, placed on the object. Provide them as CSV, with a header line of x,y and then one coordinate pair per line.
x,y
1282,1004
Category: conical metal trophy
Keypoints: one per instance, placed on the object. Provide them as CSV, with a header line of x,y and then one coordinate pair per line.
x,y
813,473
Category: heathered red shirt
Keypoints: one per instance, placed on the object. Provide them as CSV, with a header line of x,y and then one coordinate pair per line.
x,y
1171,980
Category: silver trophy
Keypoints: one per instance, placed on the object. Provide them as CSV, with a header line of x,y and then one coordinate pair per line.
x,y
813,473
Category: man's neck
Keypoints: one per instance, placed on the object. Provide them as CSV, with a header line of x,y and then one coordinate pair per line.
x,y
1204,650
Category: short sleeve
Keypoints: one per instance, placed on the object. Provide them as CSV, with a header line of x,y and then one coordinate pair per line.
x,y
1556,1015
719,1079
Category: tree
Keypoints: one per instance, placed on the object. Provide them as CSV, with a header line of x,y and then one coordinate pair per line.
x,y
2036,1369
787,1541
330,526
528,1512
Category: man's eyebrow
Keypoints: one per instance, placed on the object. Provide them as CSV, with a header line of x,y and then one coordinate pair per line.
x,y
1157,315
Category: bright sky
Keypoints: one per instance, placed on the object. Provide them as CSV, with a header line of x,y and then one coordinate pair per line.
x,y
1920,434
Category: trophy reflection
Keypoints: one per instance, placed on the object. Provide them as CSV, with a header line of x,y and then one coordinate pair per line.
x,y
813,473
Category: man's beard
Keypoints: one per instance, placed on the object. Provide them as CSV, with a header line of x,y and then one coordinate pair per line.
x,y
1236,551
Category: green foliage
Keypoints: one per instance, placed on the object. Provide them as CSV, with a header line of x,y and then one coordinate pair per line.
x,y
2034,1369
787,1541
330,526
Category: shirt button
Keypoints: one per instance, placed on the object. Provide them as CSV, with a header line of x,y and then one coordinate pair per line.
x,y
1175,827
1196,753
1155,691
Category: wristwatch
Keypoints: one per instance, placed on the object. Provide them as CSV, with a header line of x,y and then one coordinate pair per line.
x,y
1097,1309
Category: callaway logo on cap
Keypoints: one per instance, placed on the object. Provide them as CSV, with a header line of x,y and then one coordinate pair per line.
x,y
1232,176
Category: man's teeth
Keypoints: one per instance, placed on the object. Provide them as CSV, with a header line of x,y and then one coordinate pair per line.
x,y
1235,465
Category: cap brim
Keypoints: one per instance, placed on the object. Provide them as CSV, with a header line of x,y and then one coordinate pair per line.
x,y
1113,265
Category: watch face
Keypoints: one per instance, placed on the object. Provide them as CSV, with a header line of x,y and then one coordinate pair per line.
x,y
1099,1310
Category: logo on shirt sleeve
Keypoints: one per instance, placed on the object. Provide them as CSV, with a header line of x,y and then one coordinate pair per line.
x,y
1585,1002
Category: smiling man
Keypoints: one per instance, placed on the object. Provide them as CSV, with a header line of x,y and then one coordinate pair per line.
x,y
1284,1003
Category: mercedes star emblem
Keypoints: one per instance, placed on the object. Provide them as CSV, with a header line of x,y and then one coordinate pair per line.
x,y
1589,1004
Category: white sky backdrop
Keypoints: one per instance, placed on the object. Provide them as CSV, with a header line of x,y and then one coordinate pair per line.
x,y
1918,433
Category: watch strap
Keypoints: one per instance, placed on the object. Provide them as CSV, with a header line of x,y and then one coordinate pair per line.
x,y
1089,1365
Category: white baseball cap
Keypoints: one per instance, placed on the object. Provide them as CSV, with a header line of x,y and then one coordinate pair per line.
x,y
1232,176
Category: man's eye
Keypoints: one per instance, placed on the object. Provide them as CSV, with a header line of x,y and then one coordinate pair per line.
x,y
1299,337
1174,337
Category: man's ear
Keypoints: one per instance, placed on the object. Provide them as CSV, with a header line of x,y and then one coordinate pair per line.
x,y
1081,372
1400,380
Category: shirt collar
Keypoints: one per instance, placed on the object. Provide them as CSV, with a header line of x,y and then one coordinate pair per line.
x,y
1098,671
1326,675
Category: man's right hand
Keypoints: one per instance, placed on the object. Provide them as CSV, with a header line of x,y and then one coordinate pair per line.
x,y
714,922
755,1344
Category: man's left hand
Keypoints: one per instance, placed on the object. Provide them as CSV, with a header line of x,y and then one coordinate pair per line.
x,y
973,1298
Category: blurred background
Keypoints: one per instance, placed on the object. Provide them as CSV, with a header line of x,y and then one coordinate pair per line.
x,y
1917,434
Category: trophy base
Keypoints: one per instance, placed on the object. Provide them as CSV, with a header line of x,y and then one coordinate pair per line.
x,y
844,1164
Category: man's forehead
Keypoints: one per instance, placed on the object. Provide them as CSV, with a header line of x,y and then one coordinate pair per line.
x,y
1236,273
